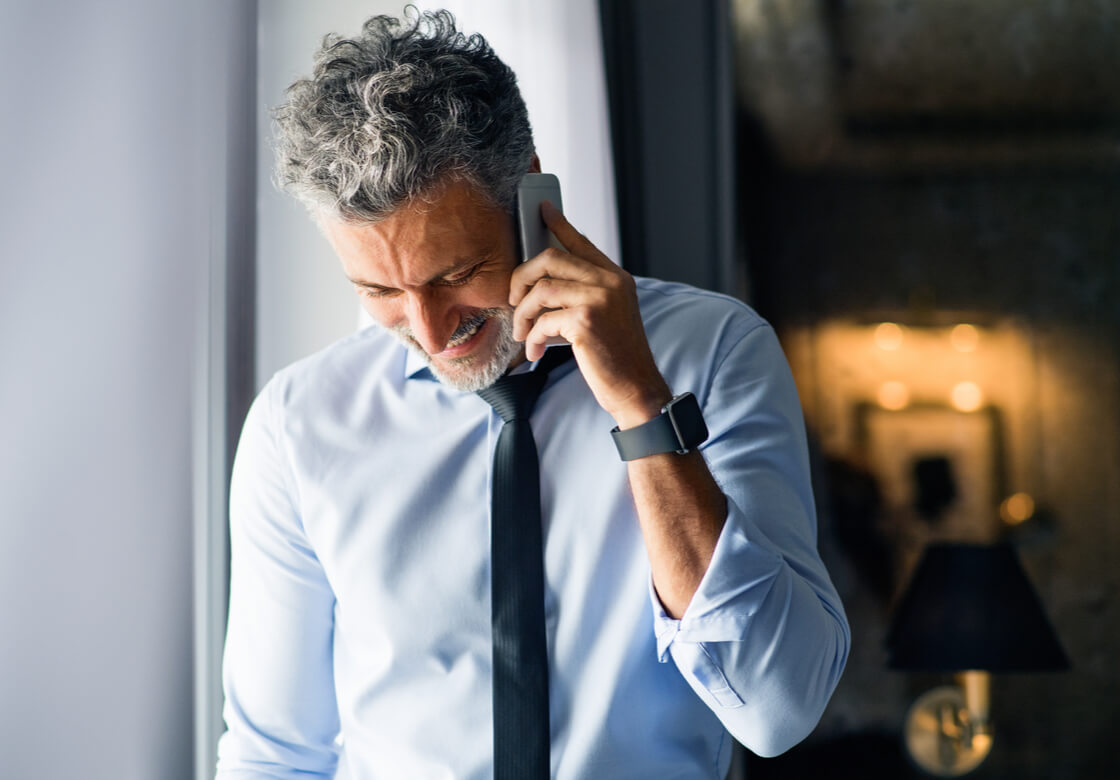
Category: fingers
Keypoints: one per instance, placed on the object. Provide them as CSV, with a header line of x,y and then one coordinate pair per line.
x,y
577,295
582,262
546,329
572,240
554,264
552,294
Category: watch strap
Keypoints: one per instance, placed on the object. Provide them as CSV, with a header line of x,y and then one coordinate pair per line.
x,y
664,434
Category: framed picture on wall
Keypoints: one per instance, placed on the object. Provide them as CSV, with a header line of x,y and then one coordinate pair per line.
x,y
939,473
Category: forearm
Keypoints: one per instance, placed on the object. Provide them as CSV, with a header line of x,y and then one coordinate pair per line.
x,y
680,507
681,511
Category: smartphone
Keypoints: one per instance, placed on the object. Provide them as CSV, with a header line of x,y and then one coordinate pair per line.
x,y
535,189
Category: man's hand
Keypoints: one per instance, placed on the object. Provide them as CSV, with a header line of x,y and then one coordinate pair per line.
x,y
584,298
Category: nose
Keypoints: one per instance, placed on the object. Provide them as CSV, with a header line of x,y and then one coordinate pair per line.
x,y
431,321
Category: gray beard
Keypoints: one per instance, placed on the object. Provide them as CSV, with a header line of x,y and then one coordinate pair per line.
x,y
472,373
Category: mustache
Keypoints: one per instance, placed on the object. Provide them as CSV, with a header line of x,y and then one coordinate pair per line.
x,y
467,326
479,317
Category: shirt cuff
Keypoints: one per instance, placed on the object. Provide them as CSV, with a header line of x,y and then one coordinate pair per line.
x,y
739,577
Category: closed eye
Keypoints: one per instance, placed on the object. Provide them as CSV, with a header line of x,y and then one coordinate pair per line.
x,y
455,279
373,291
462,277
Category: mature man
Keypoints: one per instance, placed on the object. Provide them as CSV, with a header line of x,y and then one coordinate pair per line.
x,y
681,597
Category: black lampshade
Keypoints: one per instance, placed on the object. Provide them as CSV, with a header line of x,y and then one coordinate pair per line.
x,y
972,607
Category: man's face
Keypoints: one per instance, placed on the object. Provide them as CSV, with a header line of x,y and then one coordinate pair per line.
x,y
437,275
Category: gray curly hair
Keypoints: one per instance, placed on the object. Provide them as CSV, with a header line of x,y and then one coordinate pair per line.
x,y
390,115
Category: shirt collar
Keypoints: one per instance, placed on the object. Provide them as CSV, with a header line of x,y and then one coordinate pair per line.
x,y
415,366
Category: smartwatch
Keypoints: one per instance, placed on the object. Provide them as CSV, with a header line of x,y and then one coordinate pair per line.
x,y
679,428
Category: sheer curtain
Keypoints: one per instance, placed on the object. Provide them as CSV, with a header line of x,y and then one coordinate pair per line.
x,y
108,221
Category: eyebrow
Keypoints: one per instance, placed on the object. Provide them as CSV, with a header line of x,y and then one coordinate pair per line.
x,y
462,265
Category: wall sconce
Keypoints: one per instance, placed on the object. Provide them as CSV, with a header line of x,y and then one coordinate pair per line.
x,y
969,610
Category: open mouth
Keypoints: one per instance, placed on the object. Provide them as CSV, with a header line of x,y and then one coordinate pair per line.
x,y
466,331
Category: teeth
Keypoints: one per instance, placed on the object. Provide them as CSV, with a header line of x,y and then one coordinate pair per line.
x,y
463,338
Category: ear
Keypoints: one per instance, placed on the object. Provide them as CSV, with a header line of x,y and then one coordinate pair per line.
x,y
535,164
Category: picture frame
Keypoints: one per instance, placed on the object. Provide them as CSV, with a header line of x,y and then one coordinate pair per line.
x,y
939,470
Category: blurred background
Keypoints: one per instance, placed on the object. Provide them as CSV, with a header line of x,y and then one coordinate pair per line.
x,y
921,195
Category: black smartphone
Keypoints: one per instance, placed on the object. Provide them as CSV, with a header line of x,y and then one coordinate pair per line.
x,y
535,189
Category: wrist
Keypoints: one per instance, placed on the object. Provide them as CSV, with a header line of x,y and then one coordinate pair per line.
x,y
642,408
678,428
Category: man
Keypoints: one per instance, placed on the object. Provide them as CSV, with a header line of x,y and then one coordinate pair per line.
x,y
683,594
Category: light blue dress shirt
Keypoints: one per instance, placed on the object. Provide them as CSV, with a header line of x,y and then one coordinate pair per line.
x,y
359,626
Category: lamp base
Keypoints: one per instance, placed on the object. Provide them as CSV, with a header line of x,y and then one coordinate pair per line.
x,y
940,737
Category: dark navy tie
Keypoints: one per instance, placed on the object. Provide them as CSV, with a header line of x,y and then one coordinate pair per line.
x,y
520,653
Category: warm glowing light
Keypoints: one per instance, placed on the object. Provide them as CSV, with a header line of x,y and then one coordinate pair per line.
x,y
982,743
964,337
888,336
1016,509
976,686
967,397
894,395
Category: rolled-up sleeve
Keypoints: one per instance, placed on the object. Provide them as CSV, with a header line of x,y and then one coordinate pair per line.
x,y
764,640
280,709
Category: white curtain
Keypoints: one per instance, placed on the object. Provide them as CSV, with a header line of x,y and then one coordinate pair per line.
x,y
106,136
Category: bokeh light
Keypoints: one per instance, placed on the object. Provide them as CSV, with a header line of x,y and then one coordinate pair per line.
x,y
967,396
964,337
888,336
894,395
1016,509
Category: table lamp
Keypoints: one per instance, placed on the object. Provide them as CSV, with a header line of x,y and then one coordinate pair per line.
x,y
969,610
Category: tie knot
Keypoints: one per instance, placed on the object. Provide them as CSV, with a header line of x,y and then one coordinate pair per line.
x,y
514,396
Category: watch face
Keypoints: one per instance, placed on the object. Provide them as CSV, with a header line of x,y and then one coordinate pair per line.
x,y
688,422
